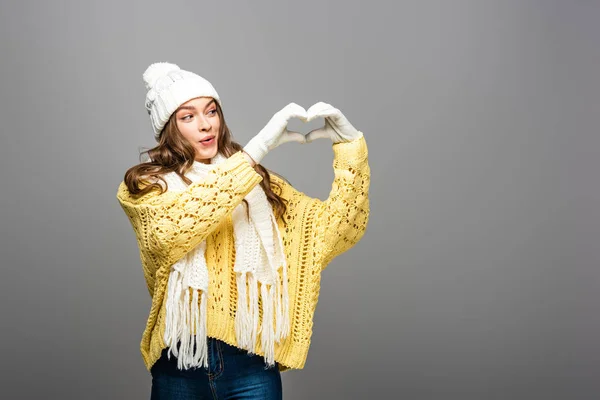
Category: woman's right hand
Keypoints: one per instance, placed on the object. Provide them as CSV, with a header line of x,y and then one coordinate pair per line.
x,y
276,132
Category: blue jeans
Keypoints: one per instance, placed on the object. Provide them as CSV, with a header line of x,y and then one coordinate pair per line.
x,y
231,374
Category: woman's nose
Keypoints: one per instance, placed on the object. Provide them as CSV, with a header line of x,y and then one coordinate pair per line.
x,y
204,124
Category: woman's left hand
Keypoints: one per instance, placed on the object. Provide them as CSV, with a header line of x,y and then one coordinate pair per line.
x,y
337,127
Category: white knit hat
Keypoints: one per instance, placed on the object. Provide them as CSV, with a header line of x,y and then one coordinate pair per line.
x,y
169,87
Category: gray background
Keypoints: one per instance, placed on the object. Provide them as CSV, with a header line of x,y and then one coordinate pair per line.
x,y
478,277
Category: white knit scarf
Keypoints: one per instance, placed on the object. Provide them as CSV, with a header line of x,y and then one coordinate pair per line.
x,y
259,257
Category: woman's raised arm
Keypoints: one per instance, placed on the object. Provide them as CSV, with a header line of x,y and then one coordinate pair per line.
x,y
341,219
171,224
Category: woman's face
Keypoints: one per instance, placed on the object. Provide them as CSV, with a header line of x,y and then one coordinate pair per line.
x,y
197,120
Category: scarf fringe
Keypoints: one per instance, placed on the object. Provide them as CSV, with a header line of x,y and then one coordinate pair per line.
x,y
190,347
183,313
274,306
246,317
266,332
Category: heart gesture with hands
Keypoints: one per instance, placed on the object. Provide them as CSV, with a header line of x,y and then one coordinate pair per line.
x,y
337,128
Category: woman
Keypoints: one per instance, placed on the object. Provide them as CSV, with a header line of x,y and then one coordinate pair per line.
x,y
232,253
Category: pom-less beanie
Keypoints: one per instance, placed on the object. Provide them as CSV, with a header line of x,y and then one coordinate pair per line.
x,y
169,87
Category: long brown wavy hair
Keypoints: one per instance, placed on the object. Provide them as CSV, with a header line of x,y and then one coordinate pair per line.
x,y
175,153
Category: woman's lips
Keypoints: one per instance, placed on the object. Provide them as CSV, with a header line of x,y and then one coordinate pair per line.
x,y
208,142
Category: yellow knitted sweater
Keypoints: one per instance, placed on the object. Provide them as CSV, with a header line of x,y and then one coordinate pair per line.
x,y
169,225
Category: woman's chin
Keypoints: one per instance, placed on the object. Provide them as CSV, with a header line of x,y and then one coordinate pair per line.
x,y
206,154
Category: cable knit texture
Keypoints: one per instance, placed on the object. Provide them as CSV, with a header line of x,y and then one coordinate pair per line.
x,y
167,226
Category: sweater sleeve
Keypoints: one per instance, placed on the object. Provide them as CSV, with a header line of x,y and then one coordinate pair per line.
x,y
171,224
341,219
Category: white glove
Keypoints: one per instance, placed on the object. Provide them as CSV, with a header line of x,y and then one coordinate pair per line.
x,y
337,127
276,132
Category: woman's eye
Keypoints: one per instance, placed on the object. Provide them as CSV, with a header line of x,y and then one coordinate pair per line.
x,y
186,117
213,111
